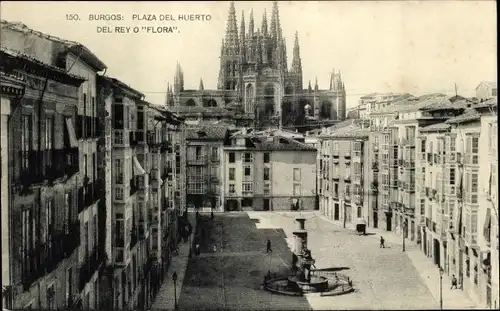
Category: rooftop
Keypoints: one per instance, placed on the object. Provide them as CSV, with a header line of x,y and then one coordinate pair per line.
x,y
212,132
469,115
19,55
274,143
491,84
349,131
73,46
435,127
120,84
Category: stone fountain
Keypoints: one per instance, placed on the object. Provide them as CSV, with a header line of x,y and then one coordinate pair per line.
x,y
303,279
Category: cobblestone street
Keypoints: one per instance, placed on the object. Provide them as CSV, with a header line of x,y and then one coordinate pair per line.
x,y
230,275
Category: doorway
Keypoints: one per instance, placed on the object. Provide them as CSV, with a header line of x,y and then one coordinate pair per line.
x,y
337,212
437,253
266,204
388,221
375,219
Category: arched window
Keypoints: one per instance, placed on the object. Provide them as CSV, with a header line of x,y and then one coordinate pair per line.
x,y
249,99
190,102
269,54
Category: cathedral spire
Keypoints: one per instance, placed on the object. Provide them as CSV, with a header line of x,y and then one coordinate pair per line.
x,y
275,22
332,79
296,61
232,30
178,79
242,35
251,25
316,84
309,88
264,24
201,88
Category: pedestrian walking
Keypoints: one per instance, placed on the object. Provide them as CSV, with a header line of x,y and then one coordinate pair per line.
x,y
197,249
382,241
212,215
268,246
214,248
454,282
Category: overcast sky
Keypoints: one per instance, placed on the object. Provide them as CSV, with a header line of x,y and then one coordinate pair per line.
x,y
392,46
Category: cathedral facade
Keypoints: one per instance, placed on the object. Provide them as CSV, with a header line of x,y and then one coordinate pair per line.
x,y
255,83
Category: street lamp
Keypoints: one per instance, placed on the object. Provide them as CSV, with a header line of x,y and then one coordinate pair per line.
x,y
174,278
404,231
441,272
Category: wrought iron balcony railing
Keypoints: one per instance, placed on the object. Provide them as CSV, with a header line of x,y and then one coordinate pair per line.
x,y
89,268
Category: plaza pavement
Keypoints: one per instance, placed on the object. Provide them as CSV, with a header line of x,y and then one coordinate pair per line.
x,y
230,276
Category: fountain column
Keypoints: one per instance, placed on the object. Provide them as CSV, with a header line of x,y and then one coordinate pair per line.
x,y
300,239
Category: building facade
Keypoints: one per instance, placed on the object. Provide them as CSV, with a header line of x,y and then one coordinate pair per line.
x,y
268,173
486,90
68,137
255,81
204,166
344,174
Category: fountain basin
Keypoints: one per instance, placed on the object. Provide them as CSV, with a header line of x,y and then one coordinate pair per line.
x,y
317,284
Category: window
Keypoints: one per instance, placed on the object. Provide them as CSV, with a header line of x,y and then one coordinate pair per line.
x,y
85,165
266,173
69,290
248,170
49,139
231,188
452,176
215,154
359,212
296,174
232,157
336,189
68,208
49,214
347,190
267,189
119,172
26,137
247,186
119,193
231,173
267,157
27,241
247,157
422,145
50,297
474,187
296,190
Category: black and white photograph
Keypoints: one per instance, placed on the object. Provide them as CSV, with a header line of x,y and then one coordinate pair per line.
x,y
249,155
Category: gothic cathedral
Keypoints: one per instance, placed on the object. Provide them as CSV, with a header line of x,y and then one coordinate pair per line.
x,y
255,83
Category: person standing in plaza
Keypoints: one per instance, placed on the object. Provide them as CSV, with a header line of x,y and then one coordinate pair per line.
x,y
454,282
268,246
382,242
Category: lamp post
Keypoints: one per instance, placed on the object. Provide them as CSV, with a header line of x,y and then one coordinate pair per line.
x,y
404,231
441,271
174,278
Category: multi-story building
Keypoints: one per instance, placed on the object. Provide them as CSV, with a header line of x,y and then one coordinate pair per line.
x,y
72,58
268,173
204,166
472,251
128,240
486,90
42,182
344,174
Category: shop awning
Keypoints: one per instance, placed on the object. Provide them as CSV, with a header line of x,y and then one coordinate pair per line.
x,y
138,170
73,142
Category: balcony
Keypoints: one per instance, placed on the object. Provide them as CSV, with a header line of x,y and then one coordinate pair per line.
x,y
335,153
347,178
164,145
214,158
87,196
347,197
47,256
214,179
89,268
200,160
375,166
151,139
374,187
347,154
133,186
336,177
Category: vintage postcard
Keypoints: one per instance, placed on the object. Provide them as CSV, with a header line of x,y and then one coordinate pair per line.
x,y
263,155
